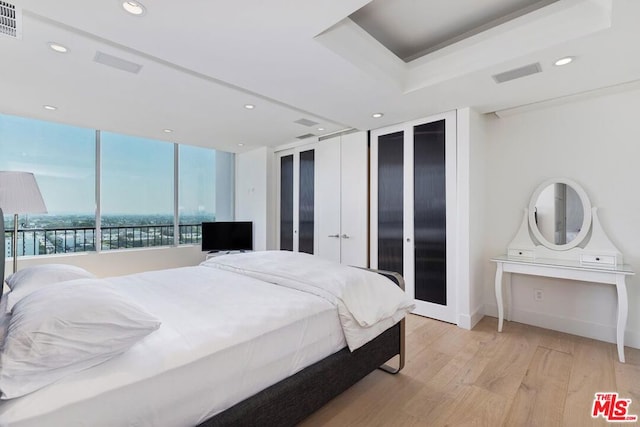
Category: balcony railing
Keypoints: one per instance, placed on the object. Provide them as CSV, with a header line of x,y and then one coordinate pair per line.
x,y
41,241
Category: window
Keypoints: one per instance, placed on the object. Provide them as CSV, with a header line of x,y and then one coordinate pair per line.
x,y
62,158
137,204
197,191
136,192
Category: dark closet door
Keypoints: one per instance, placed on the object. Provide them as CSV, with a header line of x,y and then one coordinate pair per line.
x,y
391,202
306,195
297,201
413,208
286,202
429,212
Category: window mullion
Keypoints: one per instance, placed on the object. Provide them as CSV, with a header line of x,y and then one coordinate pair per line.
x,y
97,239
176,196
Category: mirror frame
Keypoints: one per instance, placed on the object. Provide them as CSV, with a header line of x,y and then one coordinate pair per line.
x,y
586,207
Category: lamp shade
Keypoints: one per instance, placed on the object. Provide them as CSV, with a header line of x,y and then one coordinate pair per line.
x,y
19,193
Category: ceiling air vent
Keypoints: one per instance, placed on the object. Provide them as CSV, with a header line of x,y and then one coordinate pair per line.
x,y
308,135
10,20
306,122
517,73
115,62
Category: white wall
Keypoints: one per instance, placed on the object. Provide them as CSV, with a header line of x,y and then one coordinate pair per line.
x,y
596,143
225,188
471,201
255,199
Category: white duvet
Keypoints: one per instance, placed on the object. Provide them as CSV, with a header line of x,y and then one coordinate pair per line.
x,y
223,338
367,302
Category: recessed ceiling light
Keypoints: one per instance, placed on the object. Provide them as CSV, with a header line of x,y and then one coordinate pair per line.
x,y
167,130
240,144
377,115
58,47
320,129
249,106
49,107
564,61
133,7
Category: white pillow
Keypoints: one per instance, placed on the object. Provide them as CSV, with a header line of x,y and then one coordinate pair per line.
x,y
60,330
4,319
30,279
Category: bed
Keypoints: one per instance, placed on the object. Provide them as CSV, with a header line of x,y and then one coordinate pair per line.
x,y
264,338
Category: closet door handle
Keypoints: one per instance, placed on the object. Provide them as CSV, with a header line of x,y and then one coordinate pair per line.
x,y
334,235
345,236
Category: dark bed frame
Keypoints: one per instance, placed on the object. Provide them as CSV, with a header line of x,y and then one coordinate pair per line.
x,y
291,400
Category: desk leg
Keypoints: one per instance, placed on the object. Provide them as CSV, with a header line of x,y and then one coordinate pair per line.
x,y
623,307
499,299
506,285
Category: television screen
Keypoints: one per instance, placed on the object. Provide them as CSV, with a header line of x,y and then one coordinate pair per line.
x,y
227,236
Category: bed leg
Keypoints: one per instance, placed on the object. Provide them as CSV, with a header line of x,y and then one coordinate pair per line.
x,y
391,369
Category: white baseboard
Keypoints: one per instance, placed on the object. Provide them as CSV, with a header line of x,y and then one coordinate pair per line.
x,y
466,321
578,327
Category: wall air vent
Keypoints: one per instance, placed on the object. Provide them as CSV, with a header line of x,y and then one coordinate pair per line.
x,y
10,20
115,62
308,135
517,73
306,122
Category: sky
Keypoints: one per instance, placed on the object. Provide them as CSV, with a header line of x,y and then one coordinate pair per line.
x,y
137,173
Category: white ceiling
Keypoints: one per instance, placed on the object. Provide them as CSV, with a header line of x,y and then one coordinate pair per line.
x,y
411,28
203,60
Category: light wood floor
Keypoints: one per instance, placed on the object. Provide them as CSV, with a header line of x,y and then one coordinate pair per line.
x,y
524,376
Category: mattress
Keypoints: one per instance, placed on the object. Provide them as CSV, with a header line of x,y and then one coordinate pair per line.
x,y
223,338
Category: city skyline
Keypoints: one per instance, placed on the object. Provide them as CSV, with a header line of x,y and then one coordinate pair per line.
x,y
51,234
69,220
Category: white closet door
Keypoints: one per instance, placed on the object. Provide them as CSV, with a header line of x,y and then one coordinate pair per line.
x,y
353,199
341,198
328,198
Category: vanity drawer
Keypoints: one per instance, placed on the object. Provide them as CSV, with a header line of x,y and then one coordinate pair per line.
x,y
520,253
604,260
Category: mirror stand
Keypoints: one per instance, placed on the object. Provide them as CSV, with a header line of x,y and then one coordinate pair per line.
x,y
599,251
588,256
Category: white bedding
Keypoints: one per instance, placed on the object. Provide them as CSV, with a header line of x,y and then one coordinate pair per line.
x,y
213,326
367,302
224,336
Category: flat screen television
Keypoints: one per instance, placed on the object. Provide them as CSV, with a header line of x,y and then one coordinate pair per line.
x,y
227,236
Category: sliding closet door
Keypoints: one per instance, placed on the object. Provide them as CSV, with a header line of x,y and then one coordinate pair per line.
x,y
413,209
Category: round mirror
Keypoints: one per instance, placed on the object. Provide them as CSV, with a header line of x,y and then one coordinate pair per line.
x,y
559,214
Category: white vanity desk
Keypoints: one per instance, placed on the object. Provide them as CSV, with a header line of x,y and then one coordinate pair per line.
x,y
561,237
563,269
